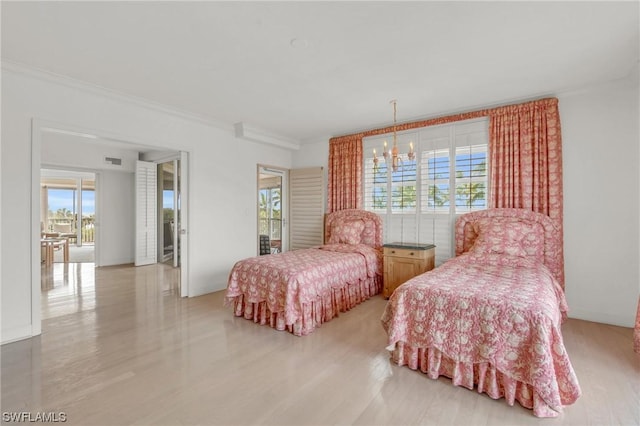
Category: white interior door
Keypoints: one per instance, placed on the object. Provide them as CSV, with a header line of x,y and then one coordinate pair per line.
x,y
146,213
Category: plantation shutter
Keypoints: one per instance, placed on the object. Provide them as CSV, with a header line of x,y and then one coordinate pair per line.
x,y
392,194
306,206
437,216
454,174
146,213
419,202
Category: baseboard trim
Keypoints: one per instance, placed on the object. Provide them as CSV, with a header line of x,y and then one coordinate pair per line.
x,y
601,317
16,333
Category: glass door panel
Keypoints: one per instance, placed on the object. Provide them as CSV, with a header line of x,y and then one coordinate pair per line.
x,y
87,230
270,208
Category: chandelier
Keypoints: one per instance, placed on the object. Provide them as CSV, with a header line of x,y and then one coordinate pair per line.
x,y
393,154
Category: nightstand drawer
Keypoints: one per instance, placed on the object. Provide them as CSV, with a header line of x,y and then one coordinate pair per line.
x,y
408,253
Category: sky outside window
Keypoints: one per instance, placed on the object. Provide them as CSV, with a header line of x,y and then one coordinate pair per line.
x,y
64,199
167,198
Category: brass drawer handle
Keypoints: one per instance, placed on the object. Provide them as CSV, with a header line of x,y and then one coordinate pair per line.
x,y
410,253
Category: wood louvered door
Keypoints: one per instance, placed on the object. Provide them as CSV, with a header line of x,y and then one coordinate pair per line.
x,y
146,213
306,201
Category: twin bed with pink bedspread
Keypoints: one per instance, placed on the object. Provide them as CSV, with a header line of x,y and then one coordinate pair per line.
x,y
299,290
490,317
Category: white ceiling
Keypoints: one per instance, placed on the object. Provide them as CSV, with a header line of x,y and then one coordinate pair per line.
x,y
235,61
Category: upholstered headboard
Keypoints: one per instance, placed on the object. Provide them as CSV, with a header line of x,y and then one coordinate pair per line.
x,y
371,225
466,233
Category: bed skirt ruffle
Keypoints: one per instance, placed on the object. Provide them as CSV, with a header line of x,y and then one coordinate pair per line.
x,y
483,376
322,309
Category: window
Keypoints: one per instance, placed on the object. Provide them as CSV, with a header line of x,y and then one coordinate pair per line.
x,y
468,177
386,189
420,201
64,204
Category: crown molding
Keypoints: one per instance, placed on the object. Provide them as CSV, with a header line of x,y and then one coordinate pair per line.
x,y
81,85
255,134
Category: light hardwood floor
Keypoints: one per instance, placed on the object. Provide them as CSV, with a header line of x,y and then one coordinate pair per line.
x,y
120,347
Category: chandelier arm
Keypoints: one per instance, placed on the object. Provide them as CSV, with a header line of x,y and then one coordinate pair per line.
x,y
393,152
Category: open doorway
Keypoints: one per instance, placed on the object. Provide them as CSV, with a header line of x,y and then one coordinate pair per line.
x,y
161,211
67,239
272,205
68,216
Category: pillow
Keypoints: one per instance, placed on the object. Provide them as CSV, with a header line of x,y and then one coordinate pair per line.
x,y
349,232
369,233
534,239
508,236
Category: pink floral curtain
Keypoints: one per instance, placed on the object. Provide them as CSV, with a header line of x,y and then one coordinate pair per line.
x,y
636,331
525,149
345,173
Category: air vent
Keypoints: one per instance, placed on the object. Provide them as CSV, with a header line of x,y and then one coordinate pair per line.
x,y
113,161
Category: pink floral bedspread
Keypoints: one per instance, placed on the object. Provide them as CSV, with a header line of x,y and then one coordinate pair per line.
x,y
489,321
291,284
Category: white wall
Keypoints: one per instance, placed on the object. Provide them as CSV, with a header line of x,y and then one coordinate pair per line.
x,y
312,154
601,200
222,179
115,227
77,152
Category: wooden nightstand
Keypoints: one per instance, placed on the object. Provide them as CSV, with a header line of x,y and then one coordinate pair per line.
x,y
403,261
